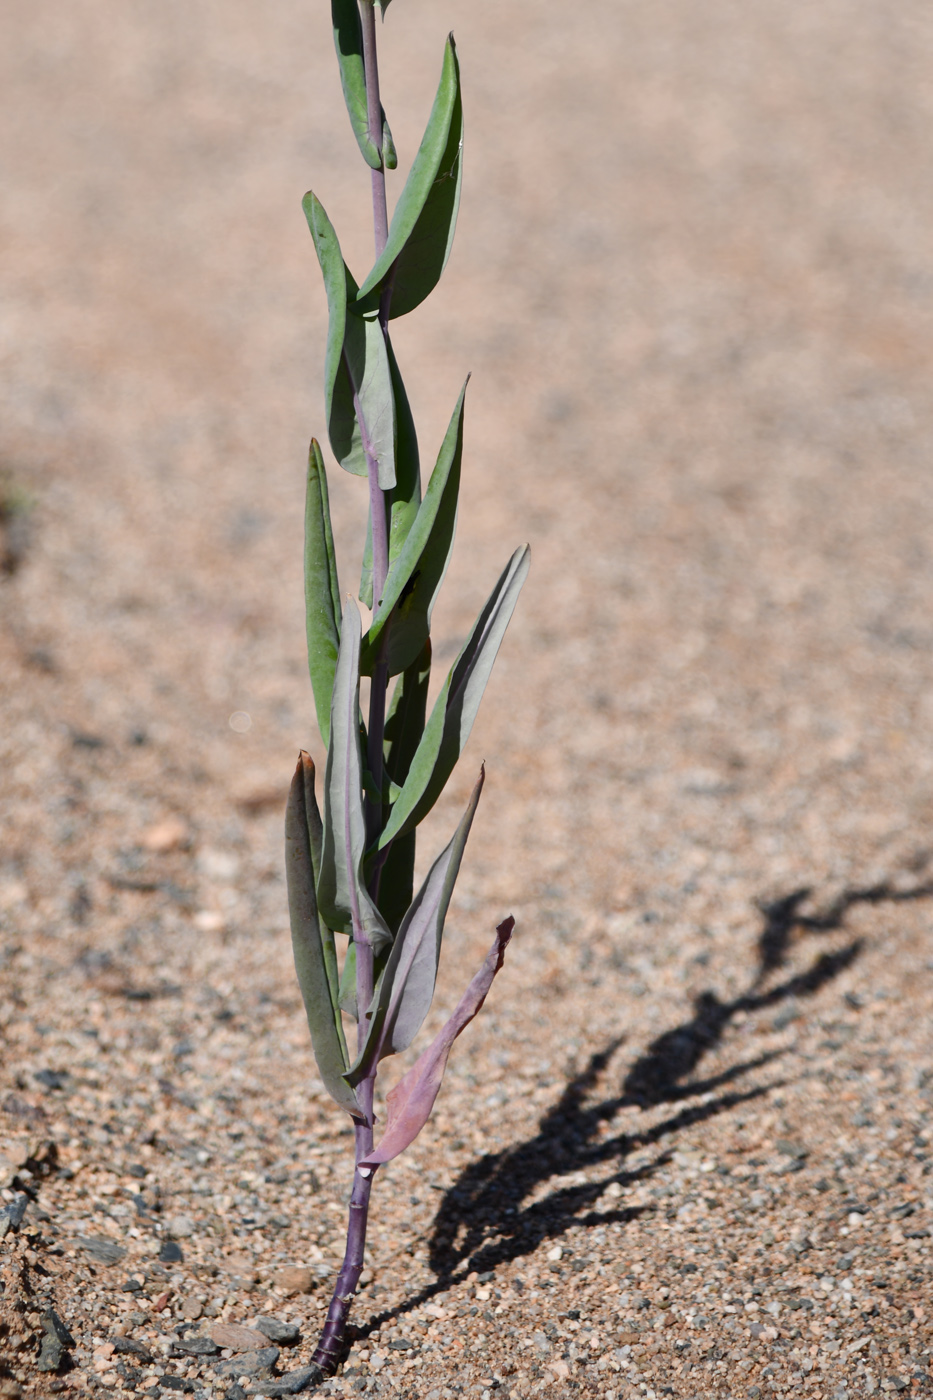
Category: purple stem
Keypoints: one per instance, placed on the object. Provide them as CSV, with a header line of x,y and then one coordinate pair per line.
x,y
330,1347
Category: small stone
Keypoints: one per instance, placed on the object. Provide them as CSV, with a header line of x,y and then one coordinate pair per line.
x,y
252,1364
165,836
228,1334
400,1344
196,1346
235,1392
171,1253
286,1333
289,1384
51,1354
293,1279
176,1383
180,1227
53,1326
11,1216
102,1251
137,1170
52,1079
192,1309
127,1346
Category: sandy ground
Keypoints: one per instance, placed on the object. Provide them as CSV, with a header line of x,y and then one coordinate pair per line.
x,y
687,1149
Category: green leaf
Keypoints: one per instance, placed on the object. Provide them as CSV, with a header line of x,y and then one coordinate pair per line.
x,y
456,707
348,41
406,497
407,988
425,217
346,991
322,590
358,395
415,578
343,899
403,731
315,957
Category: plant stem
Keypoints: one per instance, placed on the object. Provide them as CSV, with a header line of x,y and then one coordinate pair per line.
x,y
330,1347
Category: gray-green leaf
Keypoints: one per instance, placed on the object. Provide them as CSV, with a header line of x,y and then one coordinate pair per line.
x,y
315,956
343,899
322,590
425,217
414,579
403,731
456,707
348,41
358,393
407,988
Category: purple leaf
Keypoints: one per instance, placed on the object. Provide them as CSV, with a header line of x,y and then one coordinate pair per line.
x,y
410,1103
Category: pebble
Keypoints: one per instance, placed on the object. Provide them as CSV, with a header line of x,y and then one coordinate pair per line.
x,y
286,1333
180,1227
102,1251
171,1253
168,835
196,1346
293,1279
128,1346
227,1334
289,1384
254,1364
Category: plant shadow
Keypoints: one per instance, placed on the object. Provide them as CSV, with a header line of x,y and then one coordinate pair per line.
x,y
488,1217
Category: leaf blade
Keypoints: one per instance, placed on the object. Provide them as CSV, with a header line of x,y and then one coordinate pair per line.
x,y
322,590
415,577
423,224
308,945
358,394
455,709
411,1101
343,899
407,988
348,41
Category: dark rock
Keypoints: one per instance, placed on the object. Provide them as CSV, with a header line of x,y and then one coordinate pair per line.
x,y
82,740
51,1354
285,1333
196,1346
255,1364
289,1384
100,1250
52,1078
11,1216
133,1285
53,1326
126,1346
175,1383
400,1344
135,1169
236,1392
171,1253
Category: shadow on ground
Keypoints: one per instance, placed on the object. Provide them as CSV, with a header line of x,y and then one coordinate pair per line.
x,y
486,1218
